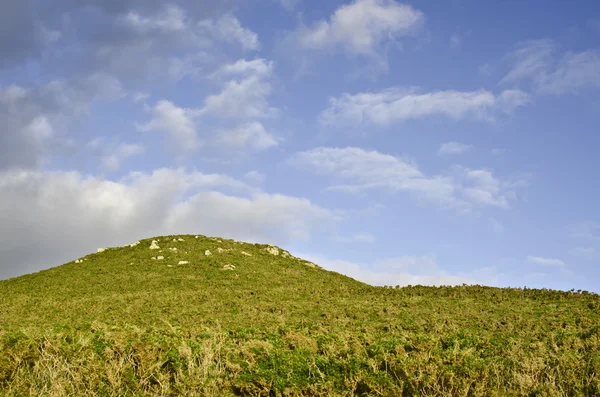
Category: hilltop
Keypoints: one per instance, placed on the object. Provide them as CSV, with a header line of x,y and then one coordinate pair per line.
x,y
204,316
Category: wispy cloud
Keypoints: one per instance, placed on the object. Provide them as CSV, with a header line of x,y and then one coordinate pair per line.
x,y
405,270
363,237
538,260
395,105
464,189
537,62
361,28
450,148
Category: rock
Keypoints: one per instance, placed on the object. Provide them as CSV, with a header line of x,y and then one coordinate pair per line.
x,y
174,240
180,239
197,236
220,250
79,261
228,267
310,264
169,265
160,258
272,250
173,249
134,244
101,250
183,263
286,254
153,258
245,253
154,245
207,253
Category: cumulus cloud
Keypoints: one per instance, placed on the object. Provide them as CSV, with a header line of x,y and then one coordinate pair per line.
x,y
453,148
34,120
176,122
113,161
255,177
362,28
243,96
395,105
249,135
537,62
405,270
228,28
538,260
92,212
464,189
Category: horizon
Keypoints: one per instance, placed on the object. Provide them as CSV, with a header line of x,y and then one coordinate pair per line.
x,y
398,143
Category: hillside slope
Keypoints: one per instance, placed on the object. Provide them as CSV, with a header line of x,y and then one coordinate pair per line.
x,y
217,317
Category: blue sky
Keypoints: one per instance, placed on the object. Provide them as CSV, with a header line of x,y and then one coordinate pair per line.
x,y
399,143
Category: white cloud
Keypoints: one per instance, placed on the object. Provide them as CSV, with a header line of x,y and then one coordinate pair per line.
x,y
529,58
362,27
35,121
245,97
176,122
363,237
405,270
255,177
454,148
243,67
92,212
249,135
538,260
113,161
395,105
289,5
229,29
455,41
170,19
464,189
537,62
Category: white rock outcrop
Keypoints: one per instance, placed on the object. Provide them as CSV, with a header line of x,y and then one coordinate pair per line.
x,y
134,244
160,258
154,245
153,258
228,267
101,250
180,239
272,250
79,261
245,253
173,249
183,263
220,250
207,253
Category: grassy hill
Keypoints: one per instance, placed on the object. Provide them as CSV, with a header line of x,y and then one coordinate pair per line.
x,y
252,320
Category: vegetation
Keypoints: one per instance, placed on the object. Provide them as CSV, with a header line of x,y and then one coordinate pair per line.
x,y
122,324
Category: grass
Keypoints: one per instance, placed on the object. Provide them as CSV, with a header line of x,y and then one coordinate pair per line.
x,y
122,324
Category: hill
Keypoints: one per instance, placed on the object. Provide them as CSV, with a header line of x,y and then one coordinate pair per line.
x,y
202,316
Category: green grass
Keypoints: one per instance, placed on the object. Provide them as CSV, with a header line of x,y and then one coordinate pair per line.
x,y
121,324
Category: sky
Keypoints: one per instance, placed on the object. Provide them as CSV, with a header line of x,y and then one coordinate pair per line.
x,y
433,143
